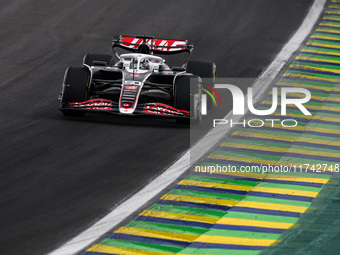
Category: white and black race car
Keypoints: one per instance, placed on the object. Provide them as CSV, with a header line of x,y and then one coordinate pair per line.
x,y
140,82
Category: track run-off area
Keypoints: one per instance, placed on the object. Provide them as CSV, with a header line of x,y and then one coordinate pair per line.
x,y
252,213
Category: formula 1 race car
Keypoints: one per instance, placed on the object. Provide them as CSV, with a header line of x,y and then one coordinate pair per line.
x,y
140,82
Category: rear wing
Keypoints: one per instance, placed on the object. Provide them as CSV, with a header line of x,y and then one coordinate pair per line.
x,y
150,45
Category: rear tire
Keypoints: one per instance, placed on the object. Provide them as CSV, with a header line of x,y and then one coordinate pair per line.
x,y
75,89
207,71
89,58
184,98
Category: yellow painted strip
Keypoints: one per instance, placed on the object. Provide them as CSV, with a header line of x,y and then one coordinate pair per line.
x,y
323,45
319,59
318,117
334,109
335,99
234,240
331,18
289,150
269,206
296,179
254,223
122,251
295,115
334,6
321,52
253,147
242,159
214,185
204,200
323,130
329,25
309,77
156,234
332,12
287,138
315,153
305,67
179,216
329,30
298,128
286,191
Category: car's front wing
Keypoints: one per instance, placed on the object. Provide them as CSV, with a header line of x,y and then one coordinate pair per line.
x,y
105,105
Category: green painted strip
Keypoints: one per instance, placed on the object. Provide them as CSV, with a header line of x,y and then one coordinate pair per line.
x,y
247,155
242,234
260,217
276,201
312,74
304,64
329,23
288,186
220,180
303,161
308,103
300,123
166,227
202,251
250,142
140,245
327,29
289,112
331,105
331,16
187,210
191,193
304,55
286,134
326,126
313,83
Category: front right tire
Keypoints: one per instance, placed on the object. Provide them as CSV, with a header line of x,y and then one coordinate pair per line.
x,y
207,71
188,97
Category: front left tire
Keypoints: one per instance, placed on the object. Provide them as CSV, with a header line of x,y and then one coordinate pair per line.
x,y
75,89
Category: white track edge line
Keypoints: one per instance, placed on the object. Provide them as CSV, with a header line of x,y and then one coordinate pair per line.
x,y
143,196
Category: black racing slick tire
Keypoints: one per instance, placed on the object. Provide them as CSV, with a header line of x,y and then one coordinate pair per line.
x,y
187,87
75,89
207,71
89,58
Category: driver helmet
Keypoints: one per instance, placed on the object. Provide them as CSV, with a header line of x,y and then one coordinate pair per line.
x,y
144,64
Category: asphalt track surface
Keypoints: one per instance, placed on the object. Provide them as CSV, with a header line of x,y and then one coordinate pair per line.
x,y
60,174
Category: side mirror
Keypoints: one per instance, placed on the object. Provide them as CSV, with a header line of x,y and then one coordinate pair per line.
x,y
177,69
